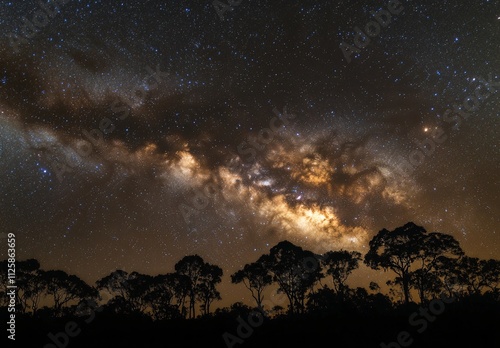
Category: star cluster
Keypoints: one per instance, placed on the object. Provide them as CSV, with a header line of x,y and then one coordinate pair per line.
x,y
134,133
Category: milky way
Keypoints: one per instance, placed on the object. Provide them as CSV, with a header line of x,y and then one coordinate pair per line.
x,y
132,134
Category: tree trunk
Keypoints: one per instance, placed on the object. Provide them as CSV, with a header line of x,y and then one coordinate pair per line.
x,y
259,299
421,293
406,290
290,300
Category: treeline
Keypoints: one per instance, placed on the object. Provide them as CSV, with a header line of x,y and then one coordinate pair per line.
x,y
426,265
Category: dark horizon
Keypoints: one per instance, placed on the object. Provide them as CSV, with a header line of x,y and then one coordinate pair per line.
x,y
434,279
361,277
444,246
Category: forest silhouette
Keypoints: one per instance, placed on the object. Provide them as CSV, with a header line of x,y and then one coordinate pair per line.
x,y
438,296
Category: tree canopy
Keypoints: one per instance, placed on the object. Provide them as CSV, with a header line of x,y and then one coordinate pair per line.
x,y
425,265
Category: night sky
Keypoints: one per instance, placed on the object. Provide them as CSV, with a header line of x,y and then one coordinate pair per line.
x,y
270,109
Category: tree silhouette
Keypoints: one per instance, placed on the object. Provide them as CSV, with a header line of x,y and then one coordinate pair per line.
x,y
207,293
396,290
255,277
191,267
295,270
428,263
432,246
201,281
140,285
472,275
368,303
165,299
397,250
65,288
30,284
128,291
181,290
447,270
374,287
322,300
426,282
237,309
115,283
340,264
490,272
